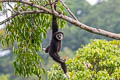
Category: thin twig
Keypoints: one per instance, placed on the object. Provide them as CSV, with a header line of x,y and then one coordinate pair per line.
x,y
9,18
21,13
69,10
11,7
48,4
52,8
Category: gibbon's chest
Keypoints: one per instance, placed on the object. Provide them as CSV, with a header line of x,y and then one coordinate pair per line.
x,y
55,46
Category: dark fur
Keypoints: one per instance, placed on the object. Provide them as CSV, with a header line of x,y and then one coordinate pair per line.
x,y
55,45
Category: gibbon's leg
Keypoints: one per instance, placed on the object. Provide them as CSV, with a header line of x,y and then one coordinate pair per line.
x,y
57,58
63,60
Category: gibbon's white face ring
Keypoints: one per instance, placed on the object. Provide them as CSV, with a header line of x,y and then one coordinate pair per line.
x,y
59,36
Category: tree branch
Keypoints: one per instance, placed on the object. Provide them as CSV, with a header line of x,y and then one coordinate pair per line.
x,y
21,13
28,3
11,7
68,19
69,10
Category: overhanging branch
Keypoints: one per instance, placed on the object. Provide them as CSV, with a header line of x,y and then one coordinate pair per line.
x,y
70,12
70,20
21,13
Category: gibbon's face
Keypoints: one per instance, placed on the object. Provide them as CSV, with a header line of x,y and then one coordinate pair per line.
x,y
59,36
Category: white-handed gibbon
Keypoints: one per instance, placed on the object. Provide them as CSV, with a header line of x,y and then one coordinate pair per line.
x,y
55,45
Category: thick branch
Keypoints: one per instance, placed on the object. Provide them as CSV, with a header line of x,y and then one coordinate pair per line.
x,y
72,21
91,29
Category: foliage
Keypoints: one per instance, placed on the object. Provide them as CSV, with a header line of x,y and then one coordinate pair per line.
x,y
6,68
74,37
1,6
66,53
104,15
4,77
80,10
26,32
5,64
99,60
20,30
2,32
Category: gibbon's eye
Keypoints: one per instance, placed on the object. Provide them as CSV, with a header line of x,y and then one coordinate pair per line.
x,y
59,36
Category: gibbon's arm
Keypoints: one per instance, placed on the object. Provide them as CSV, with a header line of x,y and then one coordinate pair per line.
x,y
54,23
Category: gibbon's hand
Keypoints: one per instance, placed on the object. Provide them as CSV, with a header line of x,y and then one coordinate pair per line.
x,y
43,49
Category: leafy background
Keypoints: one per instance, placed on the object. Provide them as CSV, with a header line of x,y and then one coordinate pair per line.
x,y
97,60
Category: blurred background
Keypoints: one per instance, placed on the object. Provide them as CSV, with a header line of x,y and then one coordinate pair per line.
x,y
104,14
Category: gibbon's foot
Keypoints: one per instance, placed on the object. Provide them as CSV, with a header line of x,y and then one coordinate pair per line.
x,y
63,60
67,75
